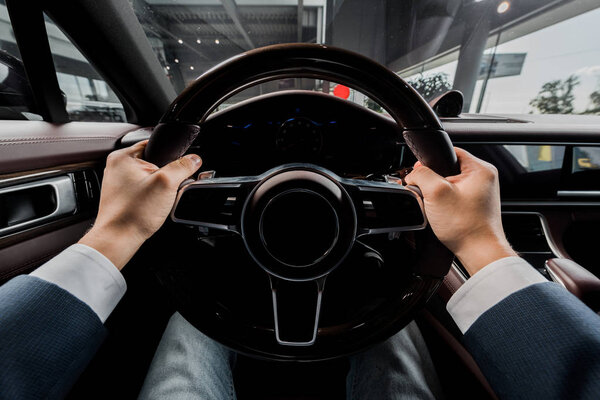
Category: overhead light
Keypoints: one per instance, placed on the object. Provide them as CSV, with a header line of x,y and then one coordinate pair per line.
x,y
176,60
192,67
503,7
198,41
180,41
168,68
217,41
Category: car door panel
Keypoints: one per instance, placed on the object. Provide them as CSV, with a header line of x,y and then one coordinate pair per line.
x,y
29,145
26,255
568,222
50,186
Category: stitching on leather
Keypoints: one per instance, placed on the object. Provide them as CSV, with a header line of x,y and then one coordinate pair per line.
x,y
450,285
55,141
45,138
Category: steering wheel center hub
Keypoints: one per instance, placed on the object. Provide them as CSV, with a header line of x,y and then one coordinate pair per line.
x,y
299,227
299,223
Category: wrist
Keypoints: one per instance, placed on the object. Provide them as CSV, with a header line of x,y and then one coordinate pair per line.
x,y
117,243
484,250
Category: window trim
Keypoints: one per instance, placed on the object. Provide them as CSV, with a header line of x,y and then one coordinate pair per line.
x,y
28,25
109,35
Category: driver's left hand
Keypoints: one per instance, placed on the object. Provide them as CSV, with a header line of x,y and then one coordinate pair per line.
x,y
135,200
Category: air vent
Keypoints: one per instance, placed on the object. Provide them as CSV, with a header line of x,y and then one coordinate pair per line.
x,y
525,232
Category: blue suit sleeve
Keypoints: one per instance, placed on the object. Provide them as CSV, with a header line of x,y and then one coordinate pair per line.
x,y
47,338
539,343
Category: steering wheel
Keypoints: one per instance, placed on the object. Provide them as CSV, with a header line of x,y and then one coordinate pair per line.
x,y
298,222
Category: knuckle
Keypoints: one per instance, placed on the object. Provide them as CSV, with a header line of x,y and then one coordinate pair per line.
x,y
415,175
491,170
162,180
439,190
112,157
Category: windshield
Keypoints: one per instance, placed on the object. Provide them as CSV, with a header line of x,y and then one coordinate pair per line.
x,y
527,56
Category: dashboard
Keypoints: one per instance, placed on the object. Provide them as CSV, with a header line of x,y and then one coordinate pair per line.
x,y
298,126
550,187
353,141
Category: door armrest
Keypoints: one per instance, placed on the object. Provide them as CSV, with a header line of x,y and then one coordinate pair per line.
x,y
577,280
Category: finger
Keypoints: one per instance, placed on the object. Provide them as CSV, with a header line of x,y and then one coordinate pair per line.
x,y
127,151
469,164
137,150
148,166
427,180
179,170
466,160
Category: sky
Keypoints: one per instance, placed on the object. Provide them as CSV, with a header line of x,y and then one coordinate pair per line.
x,y
570,47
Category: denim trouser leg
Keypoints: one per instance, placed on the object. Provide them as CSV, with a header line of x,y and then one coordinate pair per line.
x,y
189,365
399,368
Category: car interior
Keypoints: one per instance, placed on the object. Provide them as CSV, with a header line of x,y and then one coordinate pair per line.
x,y
298,243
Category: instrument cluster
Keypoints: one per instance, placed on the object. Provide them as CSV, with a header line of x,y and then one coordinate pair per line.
x,y
308,127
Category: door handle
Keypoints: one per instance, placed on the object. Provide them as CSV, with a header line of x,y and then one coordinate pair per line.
x,y
64,198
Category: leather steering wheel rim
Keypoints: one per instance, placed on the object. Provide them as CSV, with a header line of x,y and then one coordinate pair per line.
x,y
423,133
422,129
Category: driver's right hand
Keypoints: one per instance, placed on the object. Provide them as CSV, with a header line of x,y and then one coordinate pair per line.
x,y
464,210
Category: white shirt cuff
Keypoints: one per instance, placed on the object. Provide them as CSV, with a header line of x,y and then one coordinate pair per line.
x,y
488,287
88,275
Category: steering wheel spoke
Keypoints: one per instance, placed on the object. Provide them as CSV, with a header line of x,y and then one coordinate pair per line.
x,y
214,203
296,310
383,207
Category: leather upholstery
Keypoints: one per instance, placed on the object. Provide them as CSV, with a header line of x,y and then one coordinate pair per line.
x,y
422,128
454,355
578,280
451,283
29,145
27,255
169,142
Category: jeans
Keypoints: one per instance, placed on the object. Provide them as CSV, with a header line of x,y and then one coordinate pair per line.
x,y
189,365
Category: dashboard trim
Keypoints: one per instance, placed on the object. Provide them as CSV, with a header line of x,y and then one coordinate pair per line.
x,y
554,277
578,193
547,234
524,143
525,203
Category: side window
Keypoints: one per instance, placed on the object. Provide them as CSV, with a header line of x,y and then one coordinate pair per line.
x,y
88,96
537,157
586,158
16,99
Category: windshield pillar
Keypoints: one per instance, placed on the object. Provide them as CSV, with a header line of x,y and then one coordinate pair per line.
x,y
469,60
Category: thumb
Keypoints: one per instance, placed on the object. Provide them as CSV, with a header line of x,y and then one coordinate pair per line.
x,y
182,168
430,183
